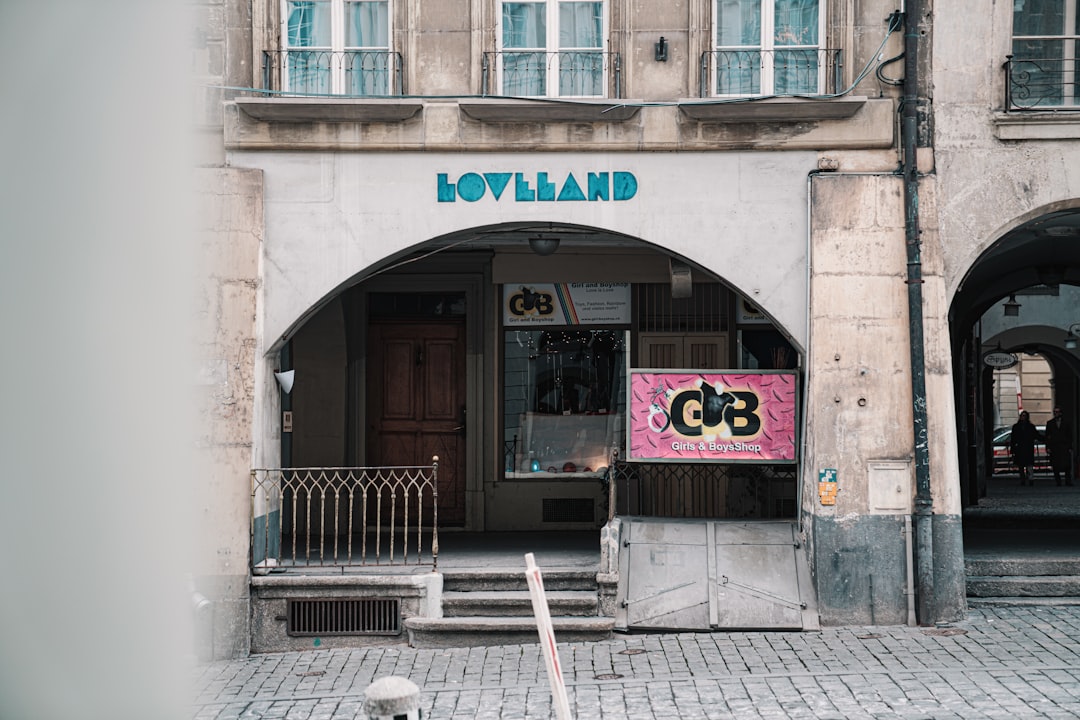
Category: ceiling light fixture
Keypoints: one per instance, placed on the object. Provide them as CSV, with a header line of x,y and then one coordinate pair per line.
x,y
543,245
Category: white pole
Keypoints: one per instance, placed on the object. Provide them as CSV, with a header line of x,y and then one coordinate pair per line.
x,y
547,639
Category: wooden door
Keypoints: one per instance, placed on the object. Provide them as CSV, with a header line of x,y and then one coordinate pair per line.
x,y
416,404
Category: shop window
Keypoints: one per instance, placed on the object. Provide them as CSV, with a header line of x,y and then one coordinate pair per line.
x,y
770,47
564,400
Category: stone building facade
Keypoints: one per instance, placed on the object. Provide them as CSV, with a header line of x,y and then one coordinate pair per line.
x,y
746,180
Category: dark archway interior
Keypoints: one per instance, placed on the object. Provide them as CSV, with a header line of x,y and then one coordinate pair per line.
x,y
1043,251
1041,255
1007,525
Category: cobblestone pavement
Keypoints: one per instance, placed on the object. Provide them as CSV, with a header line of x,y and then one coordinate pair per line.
x,y
1002,662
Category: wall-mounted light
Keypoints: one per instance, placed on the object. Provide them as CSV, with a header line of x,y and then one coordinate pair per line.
x,y
1011,307
543,245
285,380
1072,337
661,49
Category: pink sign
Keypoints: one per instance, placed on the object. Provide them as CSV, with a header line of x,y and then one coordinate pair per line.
x,y
727,417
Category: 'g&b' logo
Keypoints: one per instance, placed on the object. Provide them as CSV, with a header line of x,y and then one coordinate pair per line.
x,y
528,302
695,411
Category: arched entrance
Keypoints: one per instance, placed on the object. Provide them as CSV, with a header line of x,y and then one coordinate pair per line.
x,y
505,351
1020,297
1012,321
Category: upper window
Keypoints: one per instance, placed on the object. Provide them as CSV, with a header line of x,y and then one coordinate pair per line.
x,y
769,47
1045,67
337,47
552,48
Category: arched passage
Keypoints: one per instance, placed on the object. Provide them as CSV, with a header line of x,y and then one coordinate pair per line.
x,y
1010,324
494,347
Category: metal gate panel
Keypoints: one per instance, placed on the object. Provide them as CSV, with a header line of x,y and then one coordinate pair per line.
x,y
704,574
664,564
757,584
755,533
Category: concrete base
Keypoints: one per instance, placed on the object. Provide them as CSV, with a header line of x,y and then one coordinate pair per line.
x,y
420,596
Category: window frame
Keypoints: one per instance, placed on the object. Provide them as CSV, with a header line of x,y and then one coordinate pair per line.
x,y
337,47
551,49
1069,83
767,47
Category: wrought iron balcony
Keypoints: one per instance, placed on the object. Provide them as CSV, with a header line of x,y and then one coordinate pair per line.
x,y
351,73
761,73
1042,83
565,73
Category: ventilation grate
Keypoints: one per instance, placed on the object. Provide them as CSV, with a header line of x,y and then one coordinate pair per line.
x,y
568,510
355,616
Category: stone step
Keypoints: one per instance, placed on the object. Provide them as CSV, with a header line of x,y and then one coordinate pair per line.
x,y
1023,586
501,579
1005,566
490,631
518,603
1034,522
1023,601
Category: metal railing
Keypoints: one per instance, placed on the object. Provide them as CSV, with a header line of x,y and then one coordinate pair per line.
x,y
702,490
564,73
755,73
325,517
351,73
1042,83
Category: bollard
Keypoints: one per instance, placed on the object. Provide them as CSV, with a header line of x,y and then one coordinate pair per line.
x,y
392,698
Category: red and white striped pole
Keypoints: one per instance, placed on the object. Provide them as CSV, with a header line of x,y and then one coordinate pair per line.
x,y
547,639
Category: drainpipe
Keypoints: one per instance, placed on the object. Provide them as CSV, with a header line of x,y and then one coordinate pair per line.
x,y
924,501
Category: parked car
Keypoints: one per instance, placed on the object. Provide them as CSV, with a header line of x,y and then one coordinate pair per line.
x,y
1003,458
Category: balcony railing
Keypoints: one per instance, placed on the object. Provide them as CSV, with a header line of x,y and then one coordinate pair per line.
x,y
1042,83
338,518
756,73
565,73
352,73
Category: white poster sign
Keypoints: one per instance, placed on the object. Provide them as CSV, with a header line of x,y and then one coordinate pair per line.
x,y
566,304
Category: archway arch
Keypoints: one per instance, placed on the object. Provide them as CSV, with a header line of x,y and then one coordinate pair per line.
x,y
1019,296
367,349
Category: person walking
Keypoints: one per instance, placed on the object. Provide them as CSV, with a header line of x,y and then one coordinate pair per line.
x,y
1022,445
1059,445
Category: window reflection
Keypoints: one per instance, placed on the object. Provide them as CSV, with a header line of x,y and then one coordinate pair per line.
x,y
564,399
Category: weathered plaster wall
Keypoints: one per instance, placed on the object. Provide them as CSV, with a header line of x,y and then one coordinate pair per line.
x,y
990,184
229,239
332,215
859,404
